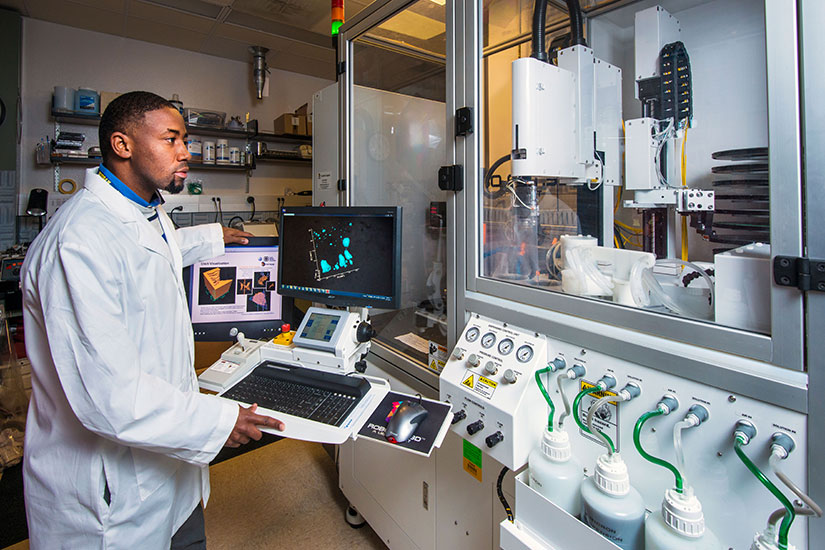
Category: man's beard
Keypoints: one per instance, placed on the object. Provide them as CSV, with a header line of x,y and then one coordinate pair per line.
x,y
174,187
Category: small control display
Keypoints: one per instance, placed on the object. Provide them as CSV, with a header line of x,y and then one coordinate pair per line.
x,y
320,327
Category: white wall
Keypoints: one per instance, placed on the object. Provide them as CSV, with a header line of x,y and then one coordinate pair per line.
x,y
57,55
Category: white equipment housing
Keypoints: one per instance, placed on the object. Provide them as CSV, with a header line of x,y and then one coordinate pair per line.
x,y
581,98
515,409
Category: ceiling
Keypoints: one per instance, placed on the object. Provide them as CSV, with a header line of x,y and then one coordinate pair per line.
x,y
295,31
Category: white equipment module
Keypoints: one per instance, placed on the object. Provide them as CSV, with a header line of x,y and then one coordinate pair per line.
x,y
489,379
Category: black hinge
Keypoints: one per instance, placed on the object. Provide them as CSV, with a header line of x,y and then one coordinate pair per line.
x,y
463,121
342,185
450,178
802,273
341,67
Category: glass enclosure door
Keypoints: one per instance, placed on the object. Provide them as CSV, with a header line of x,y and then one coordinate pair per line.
x,y
639,167
397,142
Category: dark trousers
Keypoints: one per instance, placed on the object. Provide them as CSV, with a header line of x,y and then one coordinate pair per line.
x,y
192,534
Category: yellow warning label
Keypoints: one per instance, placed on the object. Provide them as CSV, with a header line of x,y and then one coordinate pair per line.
x,y
598,394
480,385
487,382
472,469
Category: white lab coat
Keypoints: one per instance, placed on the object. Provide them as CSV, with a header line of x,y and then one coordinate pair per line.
x,y
115,399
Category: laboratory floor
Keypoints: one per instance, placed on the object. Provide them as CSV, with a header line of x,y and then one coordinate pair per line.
x,y
282,496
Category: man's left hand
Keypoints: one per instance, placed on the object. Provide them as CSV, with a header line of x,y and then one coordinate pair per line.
x,y
235,236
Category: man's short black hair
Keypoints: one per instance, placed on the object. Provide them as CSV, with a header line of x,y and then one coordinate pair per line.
x,y
124,113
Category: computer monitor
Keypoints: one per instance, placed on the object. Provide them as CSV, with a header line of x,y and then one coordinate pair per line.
x,y
346,256
237,290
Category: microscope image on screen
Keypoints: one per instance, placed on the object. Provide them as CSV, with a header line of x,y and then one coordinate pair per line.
x,y
259,295
218,284
345,255
331,251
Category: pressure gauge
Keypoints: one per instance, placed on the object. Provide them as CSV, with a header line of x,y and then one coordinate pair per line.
x,y
472,334
524,354
505,346
488,340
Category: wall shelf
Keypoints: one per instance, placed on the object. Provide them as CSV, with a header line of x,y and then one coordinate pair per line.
x,y
87,161
94,120
231,167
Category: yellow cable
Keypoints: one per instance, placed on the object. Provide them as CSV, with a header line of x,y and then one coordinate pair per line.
x,y
634,230
616,241
684,184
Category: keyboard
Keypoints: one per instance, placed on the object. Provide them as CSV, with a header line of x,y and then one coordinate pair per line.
x,y
300,392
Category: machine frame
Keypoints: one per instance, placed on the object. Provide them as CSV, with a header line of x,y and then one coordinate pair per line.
x,y
783,369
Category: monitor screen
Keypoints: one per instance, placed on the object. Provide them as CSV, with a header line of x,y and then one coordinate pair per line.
x,y
237,290
347,256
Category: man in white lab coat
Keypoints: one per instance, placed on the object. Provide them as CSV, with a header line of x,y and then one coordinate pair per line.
x,y
118,437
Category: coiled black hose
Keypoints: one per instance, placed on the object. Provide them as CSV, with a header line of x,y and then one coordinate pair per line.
x,y
488,176
539,15
576,23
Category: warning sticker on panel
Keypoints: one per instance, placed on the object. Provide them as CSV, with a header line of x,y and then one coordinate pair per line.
x,y
479,384
605,420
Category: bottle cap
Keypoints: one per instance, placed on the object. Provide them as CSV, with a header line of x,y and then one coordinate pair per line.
x,y
682,512
611,475
556,445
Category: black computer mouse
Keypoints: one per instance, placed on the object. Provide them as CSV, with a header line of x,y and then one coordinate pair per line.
x,y
405,421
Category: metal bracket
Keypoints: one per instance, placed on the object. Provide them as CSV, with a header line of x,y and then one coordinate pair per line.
x,y
451,178
342,185
463,121
341,67
802,273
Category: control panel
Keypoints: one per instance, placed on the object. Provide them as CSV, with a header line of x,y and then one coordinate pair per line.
x,y
490,381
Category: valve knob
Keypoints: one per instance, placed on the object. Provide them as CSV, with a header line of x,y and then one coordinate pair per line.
x,y
495,439
490,367
474,360
510,376
458,353
475,427
459,416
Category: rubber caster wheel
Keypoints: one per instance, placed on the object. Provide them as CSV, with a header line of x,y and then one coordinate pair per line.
x,y
353,518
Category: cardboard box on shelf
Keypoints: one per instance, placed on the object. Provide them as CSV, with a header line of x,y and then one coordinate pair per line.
x,y
289,123
106,98
302,110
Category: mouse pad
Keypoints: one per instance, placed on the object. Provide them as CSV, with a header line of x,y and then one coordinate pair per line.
x,y
424,437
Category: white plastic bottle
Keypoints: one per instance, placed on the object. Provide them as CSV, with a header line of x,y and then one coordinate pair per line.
x,y
555,473
611,507
679,525
767,540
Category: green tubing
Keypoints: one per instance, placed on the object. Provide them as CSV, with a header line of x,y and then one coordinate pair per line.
x,y
790,515
546,397
637,432
577,415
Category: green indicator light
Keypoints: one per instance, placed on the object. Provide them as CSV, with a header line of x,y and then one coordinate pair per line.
x,y
336,25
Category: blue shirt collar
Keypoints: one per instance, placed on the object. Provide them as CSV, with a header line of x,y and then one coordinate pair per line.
x,y
124,190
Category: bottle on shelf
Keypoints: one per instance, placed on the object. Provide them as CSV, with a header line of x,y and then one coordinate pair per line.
x,y
679,525
555,473
611,507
